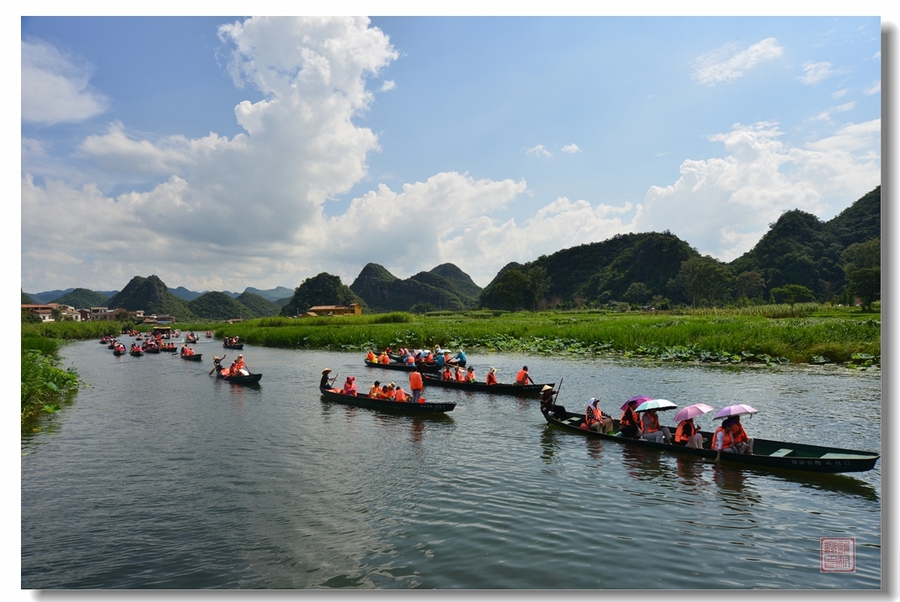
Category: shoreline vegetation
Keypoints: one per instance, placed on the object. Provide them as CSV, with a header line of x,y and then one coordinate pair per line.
x,y
808,333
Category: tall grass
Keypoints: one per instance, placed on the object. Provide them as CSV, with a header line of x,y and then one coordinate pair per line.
x,y
45,386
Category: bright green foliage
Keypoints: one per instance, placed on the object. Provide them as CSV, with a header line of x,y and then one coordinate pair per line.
x,y
45,386
323,289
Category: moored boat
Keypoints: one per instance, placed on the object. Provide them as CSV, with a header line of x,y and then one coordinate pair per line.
x,y
389,405
766,453
533,390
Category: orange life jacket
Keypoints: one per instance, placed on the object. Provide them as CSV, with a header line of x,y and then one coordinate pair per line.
x,y
370,356
446,374
628,418
685,431
522,377
653,425
727,439
593,415
738,434
400,395
491,378
415,381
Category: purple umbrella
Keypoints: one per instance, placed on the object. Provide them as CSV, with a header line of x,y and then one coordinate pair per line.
x,y
738,409
637,398
698,409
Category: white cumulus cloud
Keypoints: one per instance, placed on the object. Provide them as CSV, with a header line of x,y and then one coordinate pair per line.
x,y
571,149
815,73
539,151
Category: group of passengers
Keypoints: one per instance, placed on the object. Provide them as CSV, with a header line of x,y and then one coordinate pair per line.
x,y
730,437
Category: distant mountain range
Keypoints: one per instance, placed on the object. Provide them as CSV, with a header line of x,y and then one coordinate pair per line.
x,y
798,249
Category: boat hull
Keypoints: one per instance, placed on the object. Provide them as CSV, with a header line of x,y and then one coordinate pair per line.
x,y
237,346
426,368
767,453
242,379
197,357
498,389
406,407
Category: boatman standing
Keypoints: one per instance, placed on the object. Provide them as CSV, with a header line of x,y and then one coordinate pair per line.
x,y
416,385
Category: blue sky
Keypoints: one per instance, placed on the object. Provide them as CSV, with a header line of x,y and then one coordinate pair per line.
x,y
221,153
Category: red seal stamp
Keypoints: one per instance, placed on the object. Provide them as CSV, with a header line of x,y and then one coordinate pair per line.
x,y
837,554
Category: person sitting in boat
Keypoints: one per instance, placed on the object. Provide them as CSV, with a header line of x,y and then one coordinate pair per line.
x,y
439,358
491,378
740,441
384,358
400,395
350,386
651,431
375,390
391,389
523,378
370,356
409,360
688,434
595,419
239,363
548,403
327,382
383,393
458,375
446,373
628,423
459,358
470,374
722,439
231,370
429,358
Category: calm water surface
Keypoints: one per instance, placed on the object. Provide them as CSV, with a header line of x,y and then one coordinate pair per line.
x,y
160,476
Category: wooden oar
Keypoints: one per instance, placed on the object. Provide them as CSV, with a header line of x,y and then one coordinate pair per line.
x,y
555,397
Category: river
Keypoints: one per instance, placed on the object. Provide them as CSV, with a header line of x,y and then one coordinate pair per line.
x,y
161,476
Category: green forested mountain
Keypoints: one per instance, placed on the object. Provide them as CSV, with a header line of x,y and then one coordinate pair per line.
x,y
152,296
258,304
323,289
382,291
82,298
860,222
219,306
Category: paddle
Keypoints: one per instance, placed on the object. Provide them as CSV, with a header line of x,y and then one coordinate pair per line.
x,y
555,397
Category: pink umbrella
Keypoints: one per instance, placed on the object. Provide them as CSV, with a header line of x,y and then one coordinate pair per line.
x,y
738,409
638,398
698,409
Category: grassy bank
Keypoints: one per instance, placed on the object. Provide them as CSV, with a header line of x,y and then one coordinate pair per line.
x,y
778,334
45,385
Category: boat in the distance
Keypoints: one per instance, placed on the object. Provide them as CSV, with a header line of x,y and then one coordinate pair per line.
x,y
429,368
766,453
533,390
389,405
242,379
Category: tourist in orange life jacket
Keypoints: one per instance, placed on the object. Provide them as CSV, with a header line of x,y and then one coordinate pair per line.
x,y
416,386
595,419
458,375
429,358
384,358
651,431
370,356
523,378
409,360
447,374
375,390
470,374
384,394
722,439
628,423
350,386
741,442
391,389
688,434
239,364
491,377
399,394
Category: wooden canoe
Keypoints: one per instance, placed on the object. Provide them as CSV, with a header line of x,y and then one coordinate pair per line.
x,y
498,389
766,453
242,379
233,346
193,358
407,407
427,368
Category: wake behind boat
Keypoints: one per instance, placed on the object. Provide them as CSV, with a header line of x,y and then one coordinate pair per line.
x,y
767,453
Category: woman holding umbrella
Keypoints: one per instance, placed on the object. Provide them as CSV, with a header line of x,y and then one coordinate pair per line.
x,y
628,423
687,433
731,436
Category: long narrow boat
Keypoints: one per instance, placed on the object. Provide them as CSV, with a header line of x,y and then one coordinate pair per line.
x,y
423,367
498,389
242,379
233,345
766,453
193,358
399,358
407,407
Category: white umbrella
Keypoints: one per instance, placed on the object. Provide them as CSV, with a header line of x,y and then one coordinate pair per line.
x,y
655,404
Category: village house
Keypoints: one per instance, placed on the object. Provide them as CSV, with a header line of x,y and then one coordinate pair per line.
x,y
355,309
45,311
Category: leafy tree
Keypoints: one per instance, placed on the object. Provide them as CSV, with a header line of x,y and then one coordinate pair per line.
x,y
638,293
517,288
792,293
866,283
750,284
704,278
862,255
